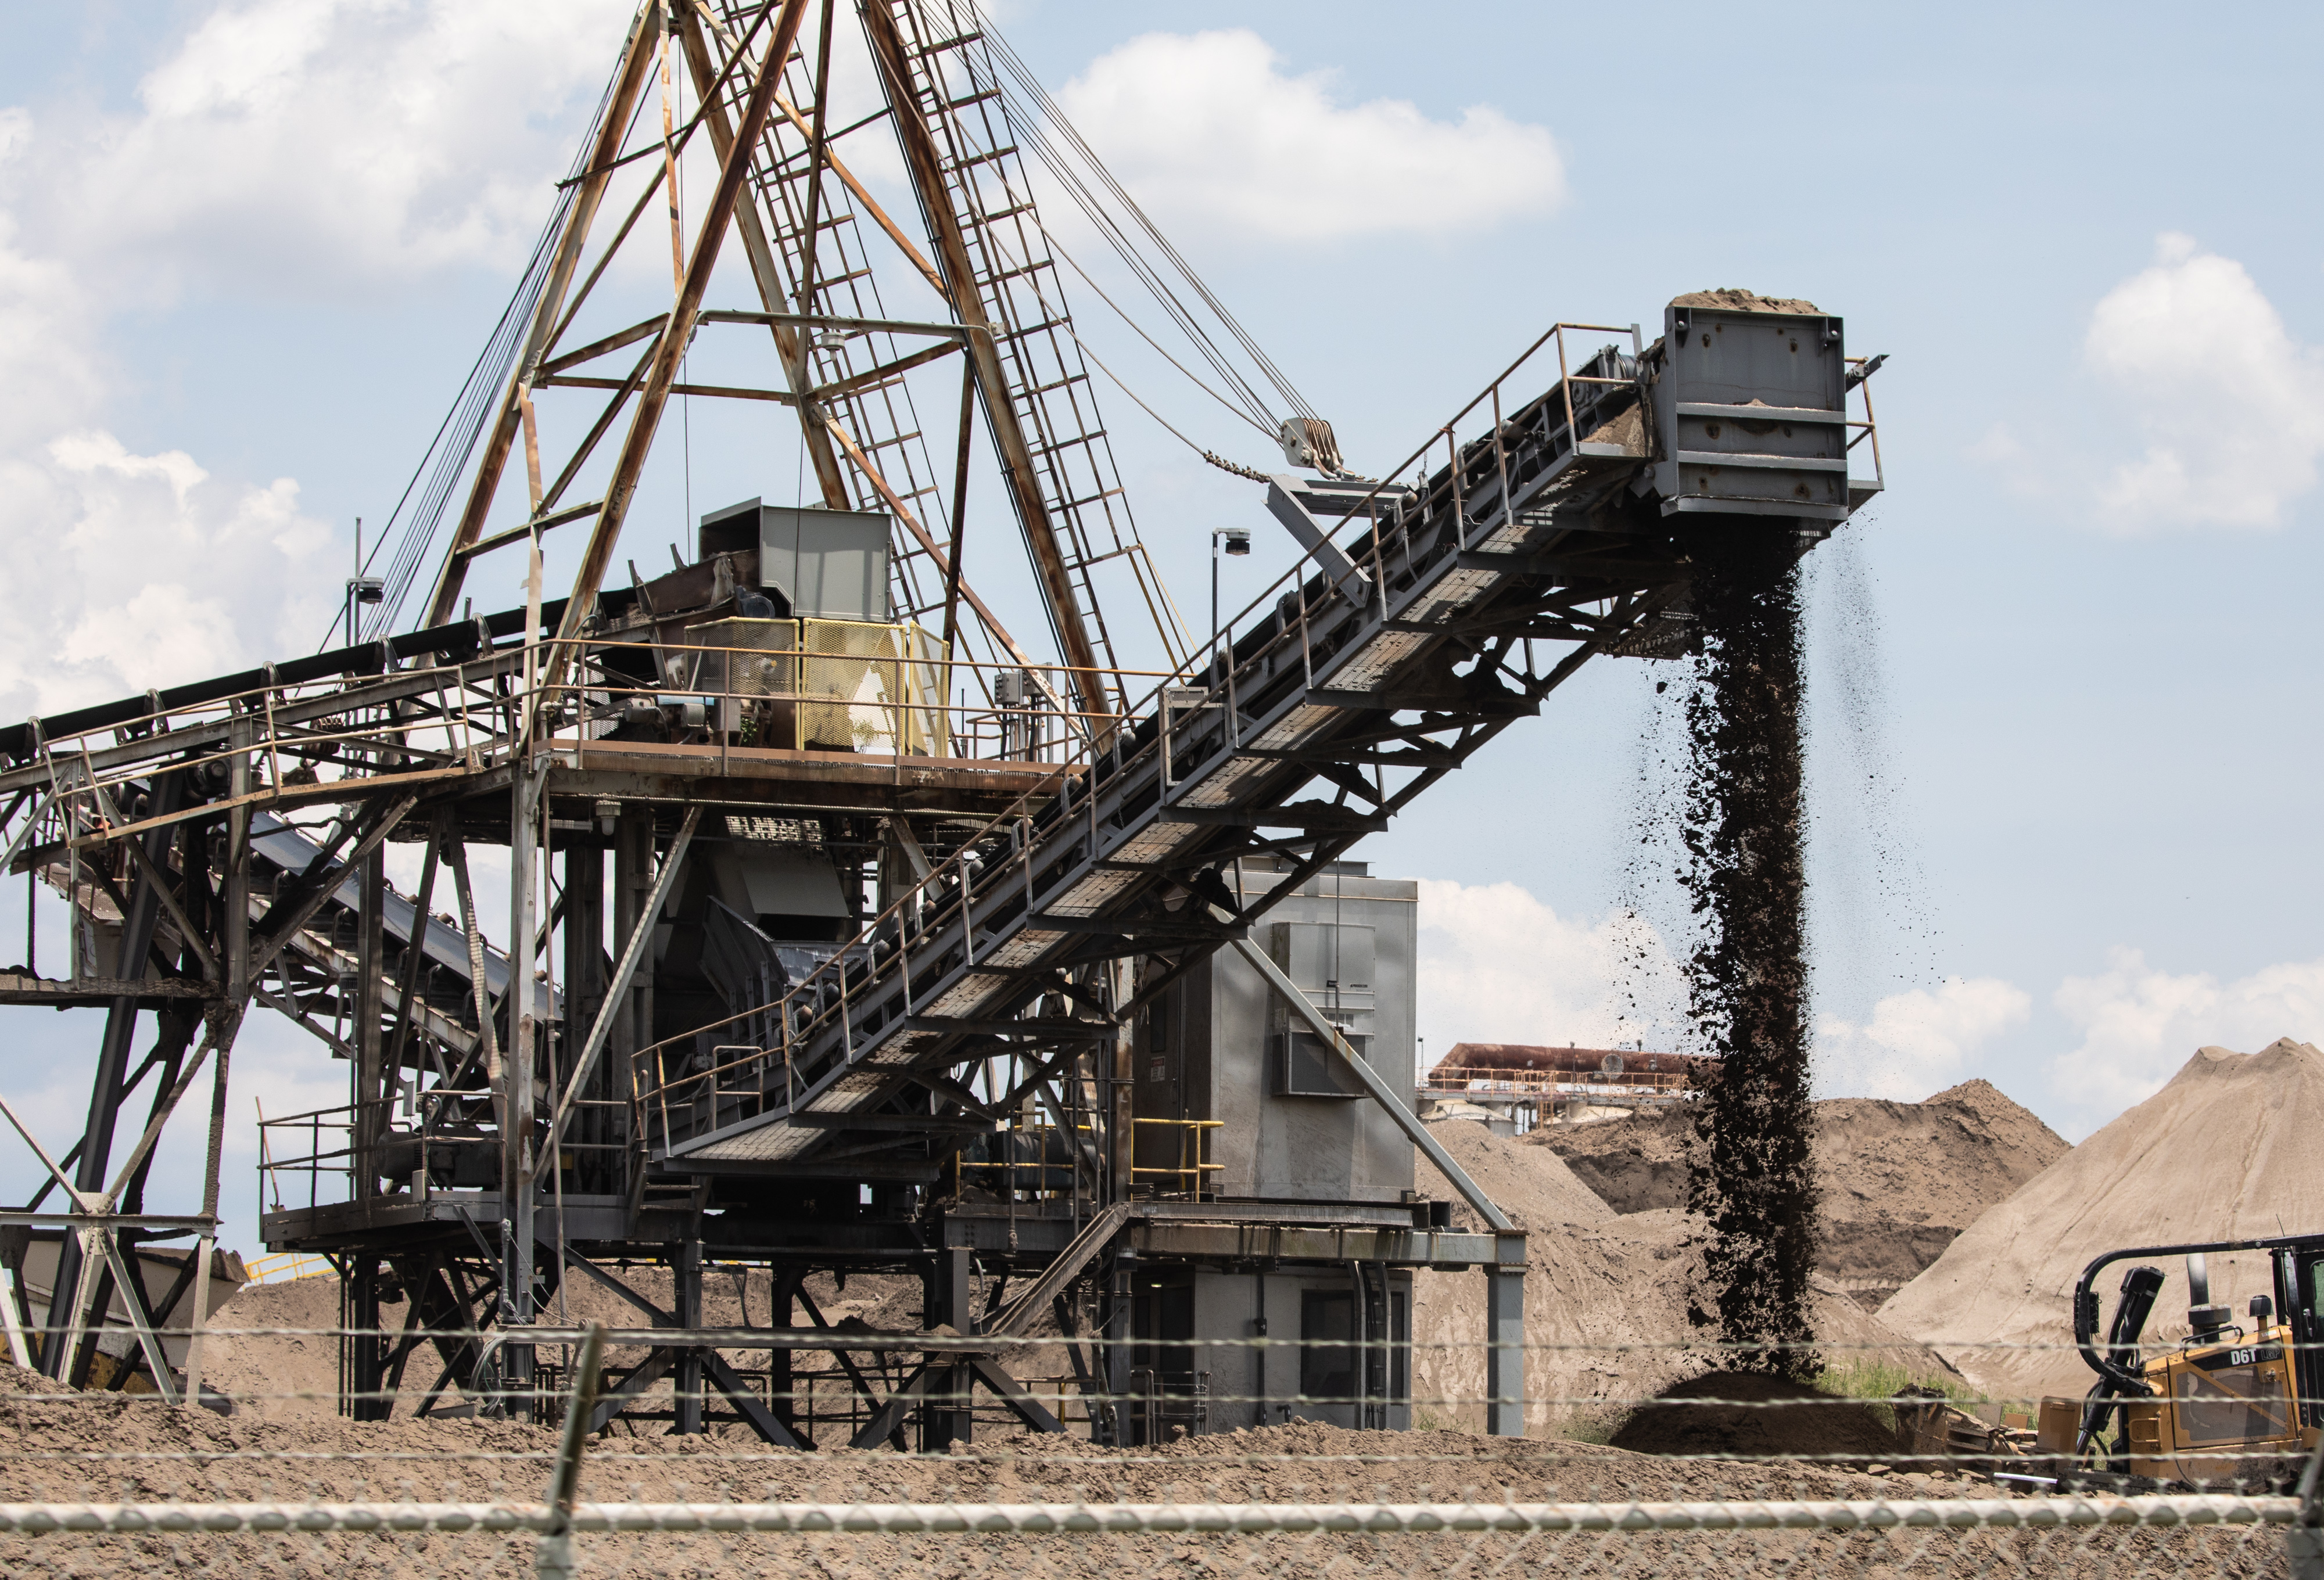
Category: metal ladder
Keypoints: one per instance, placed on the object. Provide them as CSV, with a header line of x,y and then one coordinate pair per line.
x,y
958,93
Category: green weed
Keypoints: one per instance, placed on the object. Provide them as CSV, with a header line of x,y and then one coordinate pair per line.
x,y
1877,1382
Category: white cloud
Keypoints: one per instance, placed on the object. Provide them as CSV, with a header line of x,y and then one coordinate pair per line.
x,y
2139,1023
301,145
1917,1042
1204,129
315,145
1498,966
2230,405
151,573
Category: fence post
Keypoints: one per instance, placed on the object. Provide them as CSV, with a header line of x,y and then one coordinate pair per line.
x,y
552,1557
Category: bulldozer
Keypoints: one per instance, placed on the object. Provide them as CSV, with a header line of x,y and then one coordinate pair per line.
x,y
2234,1401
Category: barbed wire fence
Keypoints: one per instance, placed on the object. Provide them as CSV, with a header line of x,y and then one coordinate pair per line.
x,y
116,1484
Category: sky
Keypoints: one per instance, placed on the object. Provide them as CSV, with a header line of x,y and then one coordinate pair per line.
x,y
2059,812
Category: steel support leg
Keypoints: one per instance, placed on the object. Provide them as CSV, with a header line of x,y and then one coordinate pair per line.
x,y
780,1384
1505,1340
366,1349
945,1418
1115,1361
686,1265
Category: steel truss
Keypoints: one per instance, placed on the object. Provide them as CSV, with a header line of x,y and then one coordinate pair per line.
x,y
514,1124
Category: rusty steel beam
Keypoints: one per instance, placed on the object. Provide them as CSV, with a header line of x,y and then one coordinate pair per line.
x,y
670,345
790,345
637,65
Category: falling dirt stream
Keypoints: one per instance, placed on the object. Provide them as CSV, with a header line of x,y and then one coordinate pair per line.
x,y
1751,1175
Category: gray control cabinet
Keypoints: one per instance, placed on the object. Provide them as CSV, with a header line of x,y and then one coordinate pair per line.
x,y
1220,1044
828,564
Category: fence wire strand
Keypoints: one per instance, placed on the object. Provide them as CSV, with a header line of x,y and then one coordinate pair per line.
x,y
272,1480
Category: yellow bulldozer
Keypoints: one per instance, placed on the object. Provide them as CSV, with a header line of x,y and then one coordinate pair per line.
x,y
2233,1401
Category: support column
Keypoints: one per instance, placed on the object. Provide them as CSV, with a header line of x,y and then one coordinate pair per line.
x,y
780,1384
1119,1305
1505,1338
946,1416
234,963
1122,1149
519,1104
686,1267
372,1079
63,1353
366,1350
583,975
633,879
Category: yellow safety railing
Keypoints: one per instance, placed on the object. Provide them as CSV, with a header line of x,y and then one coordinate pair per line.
x,y
287,1266
1194,1154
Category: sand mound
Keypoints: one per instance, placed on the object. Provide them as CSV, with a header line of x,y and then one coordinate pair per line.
x,y
1764,1416
1532,1189
1607,1311
1634,1165
2227,1149
1900,1180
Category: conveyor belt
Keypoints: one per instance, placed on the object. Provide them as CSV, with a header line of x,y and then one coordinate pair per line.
x,y
1536,539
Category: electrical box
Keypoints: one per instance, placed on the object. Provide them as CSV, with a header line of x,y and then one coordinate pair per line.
x,y
1333,964
1307,1067
828,564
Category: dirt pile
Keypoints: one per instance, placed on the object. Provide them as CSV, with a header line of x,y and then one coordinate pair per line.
x,y
1899,1179
1607,1300
2226,1150
1636,1165
1750,1415
1531,1189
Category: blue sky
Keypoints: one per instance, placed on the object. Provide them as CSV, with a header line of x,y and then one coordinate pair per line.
x,y
2060,836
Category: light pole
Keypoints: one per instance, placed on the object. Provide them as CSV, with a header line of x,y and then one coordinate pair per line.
x,y
361,590
1238,544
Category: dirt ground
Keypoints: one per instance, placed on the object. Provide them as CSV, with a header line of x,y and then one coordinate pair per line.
x,y
1899,1179
58,1445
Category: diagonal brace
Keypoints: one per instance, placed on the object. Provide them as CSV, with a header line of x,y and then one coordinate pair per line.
x,y
1382,1093
617,992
